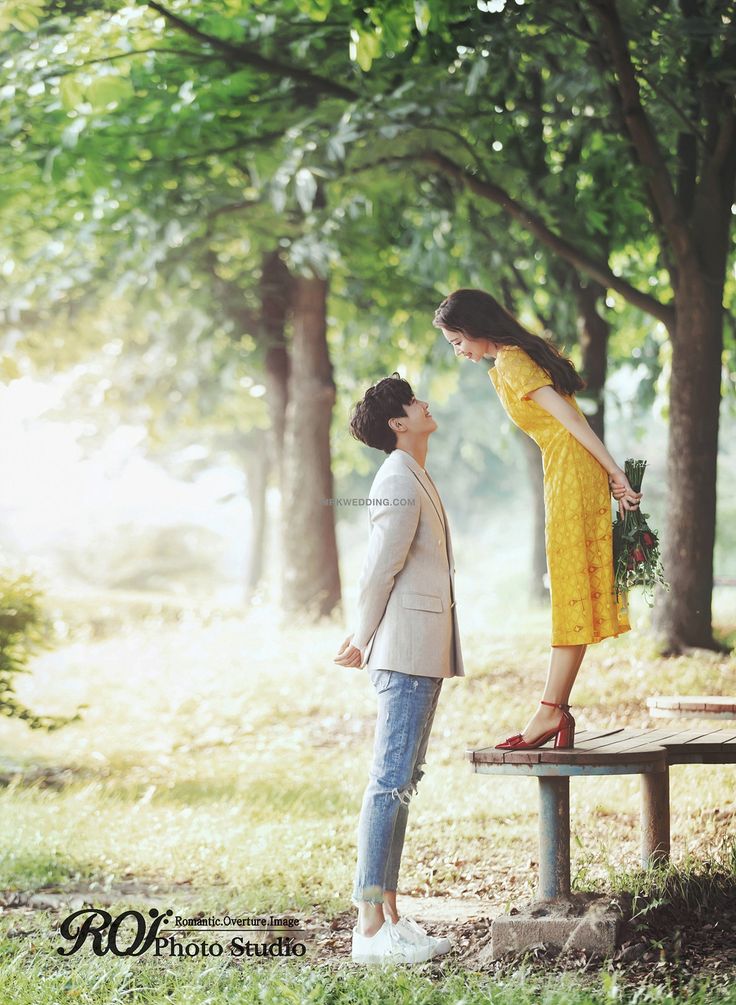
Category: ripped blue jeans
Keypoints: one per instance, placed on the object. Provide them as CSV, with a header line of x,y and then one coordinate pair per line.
x,y
406,708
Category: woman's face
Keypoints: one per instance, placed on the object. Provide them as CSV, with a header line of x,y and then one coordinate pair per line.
x,y
466,348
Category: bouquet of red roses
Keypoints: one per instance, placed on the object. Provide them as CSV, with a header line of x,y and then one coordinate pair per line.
x,y
636,560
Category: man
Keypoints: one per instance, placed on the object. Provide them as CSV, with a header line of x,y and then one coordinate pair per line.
x,y
407,637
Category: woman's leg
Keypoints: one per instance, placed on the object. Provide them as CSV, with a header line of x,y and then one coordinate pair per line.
x,y
564,663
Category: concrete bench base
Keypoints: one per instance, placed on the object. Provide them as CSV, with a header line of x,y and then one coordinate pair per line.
x,y
587,923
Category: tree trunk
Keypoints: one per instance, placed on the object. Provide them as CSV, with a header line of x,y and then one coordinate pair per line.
x,y
594,331
256,469
683,614
311,573
538,592
275,291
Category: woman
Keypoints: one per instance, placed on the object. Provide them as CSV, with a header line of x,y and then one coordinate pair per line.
x,y
536,386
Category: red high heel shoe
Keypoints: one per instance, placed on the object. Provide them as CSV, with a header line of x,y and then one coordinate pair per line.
x,y
564,734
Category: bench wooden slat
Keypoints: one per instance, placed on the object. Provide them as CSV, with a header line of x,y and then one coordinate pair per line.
x,y
680,738
622,749
659,735
688,737
593,734
623,743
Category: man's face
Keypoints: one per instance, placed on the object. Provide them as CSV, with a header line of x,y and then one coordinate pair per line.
x,y
418,418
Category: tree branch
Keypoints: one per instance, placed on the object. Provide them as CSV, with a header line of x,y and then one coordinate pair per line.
x,y
603,67
640,130
232,207
692,126
532,222
567,29
247,141
73,67
244,56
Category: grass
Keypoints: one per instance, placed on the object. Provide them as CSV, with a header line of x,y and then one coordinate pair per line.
x,y
118,982
220,765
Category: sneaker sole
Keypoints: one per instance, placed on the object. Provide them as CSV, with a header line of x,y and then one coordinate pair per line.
x,y
376,959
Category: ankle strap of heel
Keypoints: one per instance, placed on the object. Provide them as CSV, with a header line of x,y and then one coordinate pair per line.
x,y
556,704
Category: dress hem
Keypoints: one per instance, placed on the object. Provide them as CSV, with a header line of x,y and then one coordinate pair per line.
x,y
577,641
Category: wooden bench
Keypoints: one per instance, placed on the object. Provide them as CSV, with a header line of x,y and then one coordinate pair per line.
x,y
645,752
692,706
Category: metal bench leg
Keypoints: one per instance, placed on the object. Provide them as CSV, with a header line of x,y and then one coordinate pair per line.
x,y
554,838
655,817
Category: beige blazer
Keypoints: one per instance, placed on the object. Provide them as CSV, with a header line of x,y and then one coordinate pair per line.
x,y
407,616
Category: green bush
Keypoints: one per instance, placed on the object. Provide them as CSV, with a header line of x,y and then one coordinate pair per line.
x,y
24,630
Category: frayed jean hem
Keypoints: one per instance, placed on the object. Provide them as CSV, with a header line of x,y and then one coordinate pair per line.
x,y
368,895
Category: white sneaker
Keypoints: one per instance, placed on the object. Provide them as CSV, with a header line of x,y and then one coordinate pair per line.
x,y
388,946
414,933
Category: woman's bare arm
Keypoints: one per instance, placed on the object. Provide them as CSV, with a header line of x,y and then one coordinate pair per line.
x,y
554,403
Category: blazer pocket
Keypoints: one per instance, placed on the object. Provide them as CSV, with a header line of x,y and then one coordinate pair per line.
x,y
422,602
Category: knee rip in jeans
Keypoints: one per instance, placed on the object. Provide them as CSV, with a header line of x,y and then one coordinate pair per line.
x,y
404,795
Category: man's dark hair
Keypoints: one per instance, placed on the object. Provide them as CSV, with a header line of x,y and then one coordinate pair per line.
x,y
384,401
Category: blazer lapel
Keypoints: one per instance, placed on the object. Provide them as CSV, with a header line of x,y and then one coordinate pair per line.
x,y
439,498
439,511
447,529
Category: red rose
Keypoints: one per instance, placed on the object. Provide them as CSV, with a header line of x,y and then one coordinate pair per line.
x,y
638,555
647,539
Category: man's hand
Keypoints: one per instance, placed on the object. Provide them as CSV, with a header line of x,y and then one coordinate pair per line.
x,y
349,655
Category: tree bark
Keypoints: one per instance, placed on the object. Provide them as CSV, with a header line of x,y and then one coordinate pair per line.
x,y
311,572
684,613
594,331
275,292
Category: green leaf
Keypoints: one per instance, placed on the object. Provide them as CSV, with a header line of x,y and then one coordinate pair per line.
x,y
24,20
20,14
397,27
317,10
108,90
422,16
70,92
364,47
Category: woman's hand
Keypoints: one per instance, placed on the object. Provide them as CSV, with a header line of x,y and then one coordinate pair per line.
x,y
622,491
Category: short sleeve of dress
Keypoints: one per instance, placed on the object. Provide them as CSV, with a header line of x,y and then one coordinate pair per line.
x,y
520,372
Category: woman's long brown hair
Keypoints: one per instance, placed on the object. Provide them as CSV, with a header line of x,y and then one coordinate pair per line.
x,y
477,315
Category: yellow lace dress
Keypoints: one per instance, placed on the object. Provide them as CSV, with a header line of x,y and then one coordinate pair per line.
x,y
577,510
